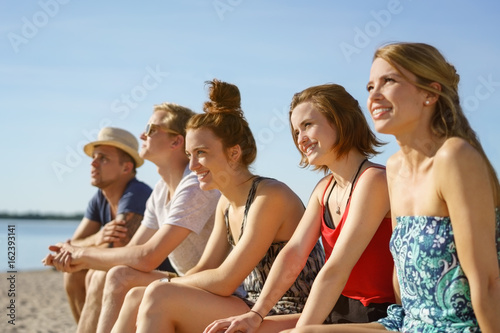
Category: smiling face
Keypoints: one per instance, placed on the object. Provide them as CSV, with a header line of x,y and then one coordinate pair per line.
x,y
314,134
394,102
207,158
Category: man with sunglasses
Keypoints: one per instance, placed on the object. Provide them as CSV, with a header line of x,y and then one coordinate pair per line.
x,y
115,211
177,223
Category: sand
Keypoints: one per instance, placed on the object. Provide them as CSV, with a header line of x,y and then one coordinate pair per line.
x,y
39,300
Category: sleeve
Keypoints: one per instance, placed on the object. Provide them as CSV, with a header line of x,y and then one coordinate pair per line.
x,y
191,207
93,211
150,219
134,198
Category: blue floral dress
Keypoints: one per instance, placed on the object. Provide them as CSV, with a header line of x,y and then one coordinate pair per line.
x,y
435,292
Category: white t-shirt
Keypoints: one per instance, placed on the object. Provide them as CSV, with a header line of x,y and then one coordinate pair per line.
x,y
190,208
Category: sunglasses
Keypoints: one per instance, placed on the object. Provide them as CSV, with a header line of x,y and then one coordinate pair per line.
x,y
153,128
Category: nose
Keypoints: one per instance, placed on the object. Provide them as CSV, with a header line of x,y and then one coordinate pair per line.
x,y
193,164
374,94
301,138
143,136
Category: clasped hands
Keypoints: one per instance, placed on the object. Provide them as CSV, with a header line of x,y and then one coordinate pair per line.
x,y
67,257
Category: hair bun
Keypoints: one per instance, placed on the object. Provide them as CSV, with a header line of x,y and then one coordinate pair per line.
x,y
224,97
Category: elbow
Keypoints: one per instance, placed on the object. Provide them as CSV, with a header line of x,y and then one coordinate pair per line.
x,y
146,261
293,259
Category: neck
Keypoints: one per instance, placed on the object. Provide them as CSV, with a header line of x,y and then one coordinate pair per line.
x,y
419,147
237,188
343,169
172,172
114,192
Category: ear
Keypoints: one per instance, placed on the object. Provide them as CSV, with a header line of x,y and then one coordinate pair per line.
x,y
234,153
432,97
178,142
127,167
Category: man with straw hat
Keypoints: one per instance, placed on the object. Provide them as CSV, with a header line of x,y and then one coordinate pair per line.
x,y
116,210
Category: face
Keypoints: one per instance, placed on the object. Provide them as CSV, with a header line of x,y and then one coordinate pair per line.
x,y
314,134
207,159
394,102
105,166
155,145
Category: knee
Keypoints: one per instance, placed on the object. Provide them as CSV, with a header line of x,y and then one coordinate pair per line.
x,y
117,280
134,295
156,295
95,282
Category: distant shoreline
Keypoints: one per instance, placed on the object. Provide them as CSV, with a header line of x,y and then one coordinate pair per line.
x,y
40,216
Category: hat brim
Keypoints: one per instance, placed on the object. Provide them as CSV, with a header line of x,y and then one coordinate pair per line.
x,y
89,150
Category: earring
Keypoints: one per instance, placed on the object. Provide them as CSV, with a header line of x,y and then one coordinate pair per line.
x,y
427,102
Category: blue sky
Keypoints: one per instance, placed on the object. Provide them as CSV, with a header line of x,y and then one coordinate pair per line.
x,y
69,67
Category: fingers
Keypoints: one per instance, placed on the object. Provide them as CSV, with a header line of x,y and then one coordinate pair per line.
x,y
47,261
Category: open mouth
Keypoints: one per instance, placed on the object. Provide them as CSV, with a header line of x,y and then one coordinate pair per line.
x,y
202,175
378,112
309,149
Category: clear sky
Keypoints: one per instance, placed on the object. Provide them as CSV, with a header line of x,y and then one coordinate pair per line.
x,y
69,67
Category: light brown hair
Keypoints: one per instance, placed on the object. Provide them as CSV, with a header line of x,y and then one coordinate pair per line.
x,y
224,117
344,113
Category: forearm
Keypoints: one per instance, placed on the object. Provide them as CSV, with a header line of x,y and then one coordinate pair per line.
x,y
283,274
85,242
325,292
104,259
487,307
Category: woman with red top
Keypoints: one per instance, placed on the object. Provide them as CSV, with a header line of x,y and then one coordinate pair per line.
x,y
349,209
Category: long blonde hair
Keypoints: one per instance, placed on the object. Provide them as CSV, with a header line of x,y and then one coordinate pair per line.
x,y
429,65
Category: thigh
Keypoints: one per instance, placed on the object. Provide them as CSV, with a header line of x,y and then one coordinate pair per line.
x,y
339,328
188,308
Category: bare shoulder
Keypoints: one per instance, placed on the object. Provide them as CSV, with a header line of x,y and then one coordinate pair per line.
x,y
275,190
457,152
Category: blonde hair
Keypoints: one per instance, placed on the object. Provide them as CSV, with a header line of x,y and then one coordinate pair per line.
x,y
344,113
224,117
176,117
429,65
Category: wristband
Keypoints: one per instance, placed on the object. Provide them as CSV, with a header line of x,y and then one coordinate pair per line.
x,y
261,318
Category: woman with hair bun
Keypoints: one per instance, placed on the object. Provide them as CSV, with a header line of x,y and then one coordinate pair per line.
x,y
445,199
255,218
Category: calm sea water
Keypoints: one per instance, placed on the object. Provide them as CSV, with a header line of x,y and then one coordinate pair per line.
x,y
32,239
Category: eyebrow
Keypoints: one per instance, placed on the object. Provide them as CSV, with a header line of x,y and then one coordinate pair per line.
x,y
199,147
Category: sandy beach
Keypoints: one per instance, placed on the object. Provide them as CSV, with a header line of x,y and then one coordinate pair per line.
x,y
39,301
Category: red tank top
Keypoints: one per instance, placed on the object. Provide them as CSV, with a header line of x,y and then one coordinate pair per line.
x,y
370,280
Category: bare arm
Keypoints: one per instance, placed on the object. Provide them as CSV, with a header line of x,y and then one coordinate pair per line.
x,y
117,232
143,257
366,212
284,271
464,185
271,209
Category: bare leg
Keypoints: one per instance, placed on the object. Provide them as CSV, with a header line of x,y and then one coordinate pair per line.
x,y
92,307
74,284
173,307
119,280
128,313
344,328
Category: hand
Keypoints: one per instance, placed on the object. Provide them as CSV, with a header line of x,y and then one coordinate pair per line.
x,y
65,258
248,322
113,232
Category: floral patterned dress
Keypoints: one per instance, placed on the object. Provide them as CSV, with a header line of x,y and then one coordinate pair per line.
x,y
435,292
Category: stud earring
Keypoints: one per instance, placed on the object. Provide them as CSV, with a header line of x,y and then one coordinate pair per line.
x,y
427,102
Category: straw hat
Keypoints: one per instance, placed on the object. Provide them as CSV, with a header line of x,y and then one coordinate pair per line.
x,y
118,138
